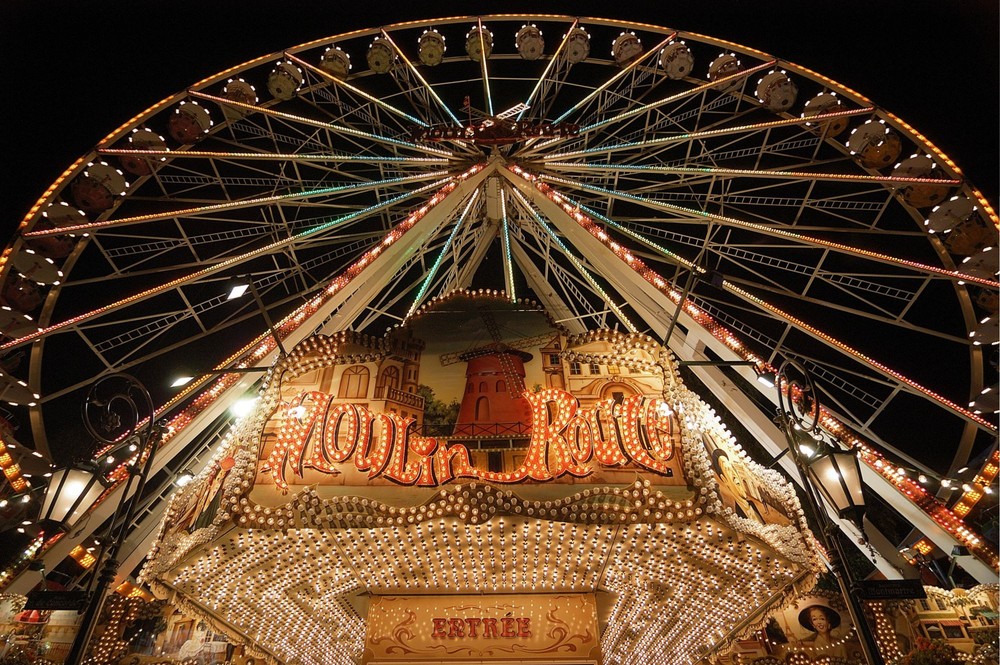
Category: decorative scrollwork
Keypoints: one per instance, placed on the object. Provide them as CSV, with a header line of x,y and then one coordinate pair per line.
x,y
798,399
116,408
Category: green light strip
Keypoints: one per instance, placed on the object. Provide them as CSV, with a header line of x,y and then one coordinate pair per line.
x,y
576,262
508,263
440,257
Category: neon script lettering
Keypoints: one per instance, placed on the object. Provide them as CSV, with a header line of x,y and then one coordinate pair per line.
x,y
318,434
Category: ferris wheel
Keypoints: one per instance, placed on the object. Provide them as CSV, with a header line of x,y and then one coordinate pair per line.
x,y
624,176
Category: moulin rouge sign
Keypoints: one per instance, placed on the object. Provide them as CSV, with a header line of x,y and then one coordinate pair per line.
x,y
318,433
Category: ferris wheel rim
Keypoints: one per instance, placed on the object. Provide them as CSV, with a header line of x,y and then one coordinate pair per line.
x,y
78,167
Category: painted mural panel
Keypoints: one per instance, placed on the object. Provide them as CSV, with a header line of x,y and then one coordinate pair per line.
x,y
492,392
948,626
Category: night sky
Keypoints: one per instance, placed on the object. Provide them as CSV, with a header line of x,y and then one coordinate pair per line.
x,y
77,70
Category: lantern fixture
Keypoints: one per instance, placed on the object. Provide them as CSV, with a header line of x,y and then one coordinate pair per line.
x,y
836,473
184,478
72,490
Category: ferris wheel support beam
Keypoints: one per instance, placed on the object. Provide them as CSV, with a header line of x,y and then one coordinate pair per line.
x,y
643,296
349,302
342,309
582,270
689,347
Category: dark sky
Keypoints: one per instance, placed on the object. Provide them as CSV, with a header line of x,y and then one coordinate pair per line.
x,y
76,70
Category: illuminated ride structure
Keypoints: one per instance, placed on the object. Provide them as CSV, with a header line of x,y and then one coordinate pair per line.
x,y
682,191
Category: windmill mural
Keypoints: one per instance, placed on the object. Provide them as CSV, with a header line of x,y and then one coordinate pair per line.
x,y
492,401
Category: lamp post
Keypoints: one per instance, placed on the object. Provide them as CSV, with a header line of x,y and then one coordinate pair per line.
x,y
118,410
829,474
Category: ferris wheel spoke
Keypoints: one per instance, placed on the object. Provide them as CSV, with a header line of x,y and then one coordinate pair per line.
x,y
695,136
749,256
876,314
617,77
816,333
371,99
318,124
342,107
774,231
641,109
334,158
422,96
546,89
210,270
484,70
585,167
652,106
152,325
835,343
234,205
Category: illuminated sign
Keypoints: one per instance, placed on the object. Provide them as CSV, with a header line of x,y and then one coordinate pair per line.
x,y
536,627
485,627
317,432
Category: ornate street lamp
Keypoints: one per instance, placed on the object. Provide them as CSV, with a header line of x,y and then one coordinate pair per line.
x,y
117,411
830,475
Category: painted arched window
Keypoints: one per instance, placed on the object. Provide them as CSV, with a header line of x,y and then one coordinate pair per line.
x,y
501,386
354,382
482,409
388,379
482,387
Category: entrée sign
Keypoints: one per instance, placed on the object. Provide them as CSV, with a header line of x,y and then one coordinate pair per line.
x,y
317,433
488,627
